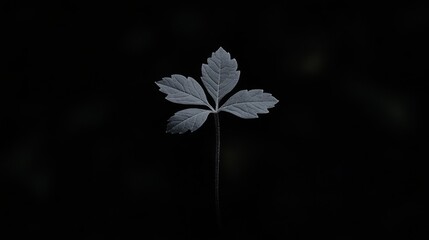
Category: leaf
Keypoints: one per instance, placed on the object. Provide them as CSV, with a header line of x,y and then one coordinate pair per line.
x,y
219,77
247,104
187,119
220,74
180,89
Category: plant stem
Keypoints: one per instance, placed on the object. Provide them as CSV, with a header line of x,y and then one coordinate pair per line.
x,y
217,164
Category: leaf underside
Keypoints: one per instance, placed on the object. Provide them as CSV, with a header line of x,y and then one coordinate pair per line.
x,y
220,74
248,104
182,90
188,119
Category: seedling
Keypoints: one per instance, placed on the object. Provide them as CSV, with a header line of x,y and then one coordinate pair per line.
x,y
219,76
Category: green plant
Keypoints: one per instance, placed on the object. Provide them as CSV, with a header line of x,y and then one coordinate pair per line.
x,y
219,76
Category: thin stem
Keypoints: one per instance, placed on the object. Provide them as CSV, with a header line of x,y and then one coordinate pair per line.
x,y
217,164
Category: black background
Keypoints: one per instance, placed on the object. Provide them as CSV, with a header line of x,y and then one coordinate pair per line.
x,y
84,153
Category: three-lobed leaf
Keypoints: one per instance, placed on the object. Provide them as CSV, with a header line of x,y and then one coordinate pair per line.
x,y
219,76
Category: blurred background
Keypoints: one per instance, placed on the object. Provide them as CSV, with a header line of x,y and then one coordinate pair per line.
x,y
84,153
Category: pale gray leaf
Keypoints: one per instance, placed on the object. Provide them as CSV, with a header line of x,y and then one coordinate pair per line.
x,y
188,119
248,104
180,89
220,75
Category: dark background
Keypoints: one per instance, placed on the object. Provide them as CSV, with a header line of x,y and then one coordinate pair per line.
x,y
84,153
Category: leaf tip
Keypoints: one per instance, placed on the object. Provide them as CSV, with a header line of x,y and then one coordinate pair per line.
x,y
275,100
221,50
